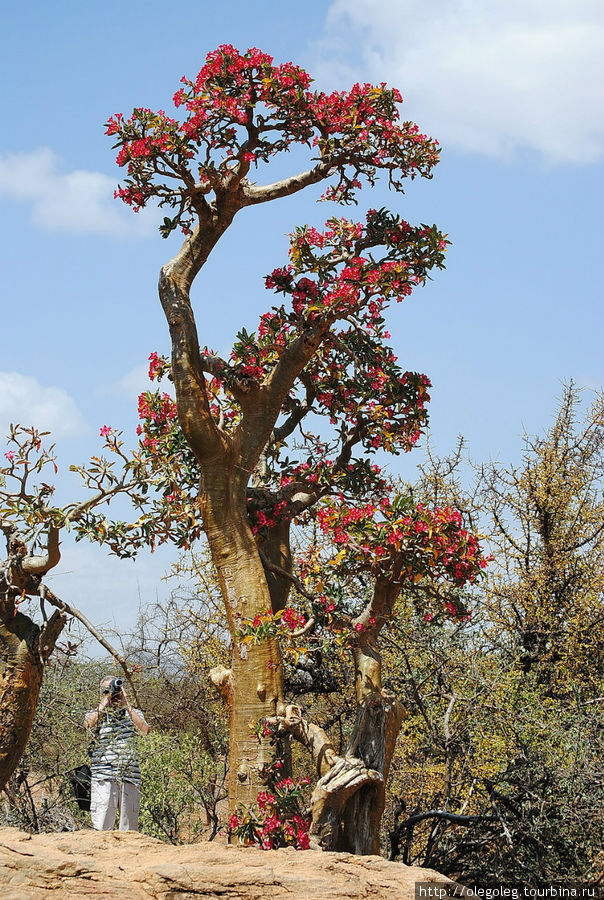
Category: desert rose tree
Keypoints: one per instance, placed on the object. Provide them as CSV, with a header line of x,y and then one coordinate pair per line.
x,y
321,351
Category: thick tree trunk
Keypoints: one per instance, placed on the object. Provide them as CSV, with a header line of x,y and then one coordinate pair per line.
x,y
254,685
276,548
376,730
24,650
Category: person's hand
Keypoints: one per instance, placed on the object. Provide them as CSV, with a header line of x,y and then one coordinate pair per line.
x,y
125,701
105,700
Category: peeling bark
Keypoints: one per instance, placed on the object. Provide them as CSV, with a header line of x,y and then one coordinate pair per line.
x,y
348,801
331,825
24,651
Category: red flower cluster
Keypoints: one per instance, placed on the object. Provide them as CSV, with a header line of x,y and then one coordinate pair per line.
x,y
355,376
270,831
157,408
357,131
327,604
274,820
292,619
268,519
423,543
158,366
361,282
265,625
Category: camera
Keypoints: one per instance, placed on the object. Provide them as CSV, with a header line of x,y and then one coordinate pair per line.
x,y
114,688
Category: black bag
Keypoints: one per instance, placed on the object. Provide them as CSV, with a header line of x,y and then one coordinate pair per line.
x,y
80,782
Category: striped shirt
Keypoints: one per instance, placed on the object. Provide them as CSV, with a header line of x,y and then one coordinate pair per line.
x,y
114,753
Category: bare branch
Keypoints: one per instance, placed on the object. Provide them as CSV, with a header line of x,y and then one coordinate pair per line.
x,y
52,598
287,186
283,573
309,734
40,565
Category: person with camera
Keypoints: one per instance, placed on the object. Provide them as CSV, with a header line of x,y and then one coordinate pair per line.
x,y
115,772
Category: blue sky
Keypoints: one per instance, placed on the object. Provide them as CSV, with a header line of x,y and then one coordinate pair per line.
x,y
513,91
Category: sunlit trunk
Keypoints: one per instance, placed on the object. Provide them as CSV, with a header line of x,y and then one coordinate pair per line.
x,y
253,687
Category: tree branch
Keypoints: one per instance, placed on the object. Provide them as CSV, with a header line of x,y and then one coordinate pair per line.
x,y
52,598
254,194
310,735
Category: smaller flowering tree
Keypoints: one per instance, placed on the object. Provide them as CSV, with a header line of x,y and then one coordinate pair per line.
x,y
31,521
350,590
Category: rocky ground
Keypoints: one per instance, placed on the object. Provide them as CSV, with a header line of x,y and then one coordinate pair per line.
x,y
89,864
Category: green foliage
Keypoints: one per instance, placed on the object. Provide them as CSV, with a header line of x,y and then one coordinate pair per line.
x,y
182,759
505,721
484,741
547,529
181,784
40,795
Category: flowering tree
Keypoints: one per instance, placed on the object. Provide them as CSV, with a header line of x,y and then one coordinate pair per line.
x,y
31,523
219,452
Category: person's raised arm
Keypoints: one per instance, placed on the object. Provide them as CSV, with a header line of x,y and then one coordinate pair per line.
x,y
136,717
92,718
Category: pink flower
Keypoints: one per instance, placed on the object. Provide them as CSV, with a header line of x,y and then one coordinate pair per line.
x,y
106,431
10,455
292,619
265,799
303,839
428,617
155,365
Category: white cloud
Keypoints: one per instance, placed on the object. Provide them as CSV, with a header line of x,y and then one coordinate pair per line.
x,y
106,589
134,382
77,201
488,77
24,401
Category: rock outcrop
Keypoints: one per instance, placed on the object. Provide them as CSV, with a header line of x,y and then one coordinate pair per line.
x,y
126,866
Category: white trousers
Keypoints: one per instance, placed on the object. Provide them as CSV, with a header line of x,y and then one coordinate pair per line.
x,y
106,797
